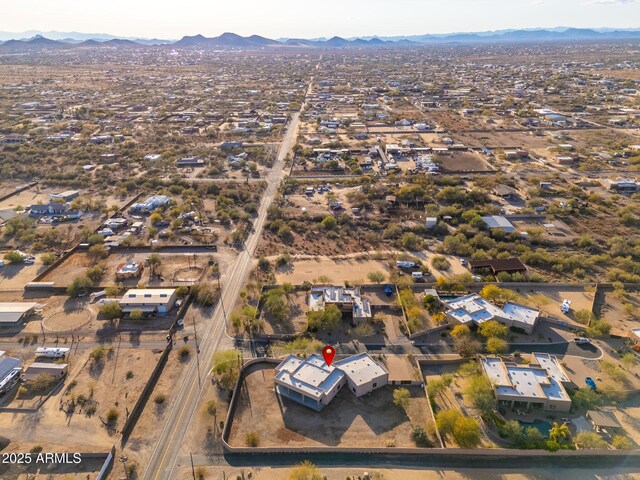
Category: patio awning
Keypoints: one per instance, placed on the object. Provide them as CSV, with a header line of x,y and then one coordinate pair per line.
x,y
603,419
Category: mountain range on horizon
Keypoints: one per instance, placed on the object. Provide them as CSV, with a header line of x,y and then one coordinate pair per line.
x,y
65,40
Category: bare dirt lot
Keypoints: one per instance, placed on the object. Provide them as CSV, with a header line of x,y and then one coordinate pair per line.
x,y
555,230
65,315
159,405
348,421
103,385
24,199
622,312
580,300
335,270
15,277
462,162
175,269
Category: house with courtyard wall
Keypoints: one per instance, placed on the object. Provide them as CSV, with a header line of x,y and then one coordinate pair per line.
x,y
539,385
348,300
313,383
473,310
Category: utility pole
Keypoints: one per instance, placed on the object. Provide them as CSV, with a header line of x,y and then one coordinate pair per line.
x,y
193,470
195,333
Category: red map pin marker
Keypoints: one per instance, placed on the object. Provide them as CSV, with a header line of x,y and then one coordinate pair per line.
x,y
328,353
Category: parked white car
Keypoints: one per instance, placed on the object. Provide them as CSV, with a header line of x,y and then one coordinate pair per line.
x,y
582,340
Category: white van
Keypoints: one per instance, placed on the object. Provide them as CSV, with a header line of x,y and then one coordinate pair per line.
x,y
96,295
417,275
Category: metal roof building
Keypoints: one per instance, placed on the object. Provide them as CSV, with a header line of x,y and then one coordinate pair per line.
x,y
12,313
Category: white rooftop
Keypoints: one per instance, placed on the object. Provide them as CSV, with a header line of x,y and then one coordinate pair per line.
x,y
311,375
552,366
523,381
360,368
314,378
498,221
147,295
12,312
475,309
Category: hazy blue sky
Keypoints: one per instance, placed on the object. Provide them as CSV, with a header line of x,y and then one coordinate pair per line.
x,y
303,18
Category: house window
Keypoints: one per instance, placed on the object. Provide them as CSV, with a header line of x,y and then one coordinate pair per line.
x,y
163,295
147,295
354,389
375,385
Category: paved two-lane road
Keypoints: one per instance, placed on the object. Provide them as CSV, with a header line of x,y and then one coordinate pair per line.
x,y
163,459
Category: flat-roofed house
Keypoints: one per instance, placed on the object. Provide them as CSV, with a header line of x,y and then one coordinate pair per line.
x,y
129,270
13,313
308,381
363,374
149,300
346,299
475,310
312,383
537,386
48,209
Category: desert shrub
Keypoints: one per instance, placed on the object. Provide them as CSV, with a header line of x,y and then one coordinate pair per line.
x,y
441,263
325,319
184,351
620,442
497,345
590,440
111,310
305,471
420,437
112,416
79,285
252,439
226,367
401,397
466,431
48,258
212,407
480,392
98,354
